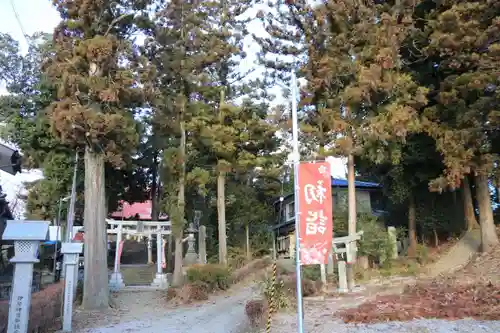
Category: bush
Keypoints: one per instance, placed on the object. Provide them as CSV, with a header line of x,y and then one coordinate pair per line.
x,y
79,292
309,287
256,311
261,253
236,257
45,309
188,293
312,273
171,293
281,295
215,277
375,242
252,267
422,254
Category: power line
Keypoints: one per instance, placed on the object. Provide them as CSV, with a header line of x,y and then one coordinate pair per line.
x,y
18,19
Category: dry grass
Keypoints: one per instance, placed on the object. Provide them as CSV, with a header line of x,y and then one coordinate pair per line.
x,y
249,270
473,291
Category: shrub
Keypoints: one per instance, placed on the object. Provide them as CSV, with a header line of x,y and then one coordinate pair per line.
x,y
281,295
256,311
79,292
216,277
171,293
375,241
192,292
422,254
311,272
236,257
45,309
252,267
261,253
309,287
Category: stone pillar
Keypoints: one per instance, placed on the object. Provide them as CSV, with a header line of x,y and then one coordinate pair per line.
x,y
191,257
159,246
160,280
26,237
323,275
394,241
150,249
72,251
202,245
351,249
342,276
116,279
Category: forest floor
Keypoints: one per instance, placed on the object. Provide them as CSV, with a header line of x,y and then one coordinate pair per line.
x,y
361,312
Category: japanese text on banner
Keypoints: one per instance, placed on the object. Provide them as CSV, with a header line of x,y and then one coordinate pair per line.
x,y
315,218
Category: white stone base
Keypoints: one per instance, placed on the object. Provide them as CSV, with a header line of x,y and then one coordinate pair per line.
x,y
116,281
160,281
342,290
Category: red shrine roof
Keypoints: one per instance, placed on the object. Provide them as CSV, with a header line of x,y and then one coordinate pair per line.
x,y
137,210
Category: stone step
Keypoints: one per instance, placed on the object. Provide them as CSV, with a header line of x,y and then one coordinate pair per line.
x,y
138,275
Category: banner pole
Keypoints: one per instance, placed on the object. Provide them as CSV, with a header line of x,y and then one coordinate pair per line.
x,y
296,160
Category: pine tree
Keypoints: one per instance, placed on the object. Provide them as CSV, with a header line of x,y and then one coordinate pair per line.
x,y
97,92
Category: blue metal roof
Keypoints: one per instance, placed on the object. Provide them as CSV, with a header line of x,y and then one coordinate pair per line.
x,y
358,184
337,182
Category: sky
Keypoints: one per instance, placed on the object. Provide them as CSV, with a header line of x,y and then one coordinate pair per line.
x,y
39,16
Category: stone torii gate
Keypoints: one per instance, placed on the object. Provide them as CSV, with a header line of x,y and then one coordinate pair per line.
x,y
140,229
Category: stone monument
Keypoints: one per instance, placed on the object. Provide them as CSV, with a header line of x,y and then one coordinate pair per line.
x,y
202,245
191,256
71,252
394,241
27,236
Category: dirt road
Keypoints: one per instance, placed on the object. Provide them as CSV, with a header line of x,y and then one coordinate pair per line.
x,y
145,312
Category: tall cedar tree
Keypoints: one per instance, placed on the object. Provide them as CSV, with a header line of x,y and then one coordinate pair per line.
x,y
215,127
97,92
357,101
460,43
239,139
184,46
365,94
27,126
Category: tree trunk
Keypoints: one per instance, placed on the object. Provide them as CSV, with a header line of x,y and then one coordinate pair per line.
x,y
247,239
181,202
95,285
436,237
178,276
497,185
352,212
221,198
221,213
470,217
351,194
412,227
497,191
489,237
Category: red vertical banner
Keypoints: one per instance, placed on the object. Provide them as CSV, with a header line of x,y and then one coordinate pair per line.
x,y
315,212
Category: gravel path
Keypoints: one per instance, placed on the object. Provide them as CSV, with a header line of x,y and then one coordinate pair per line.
x,y
147,312
223,314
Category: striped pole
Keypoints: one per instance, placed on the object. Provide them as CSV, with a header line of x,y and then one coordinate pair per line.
x,y
271,309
